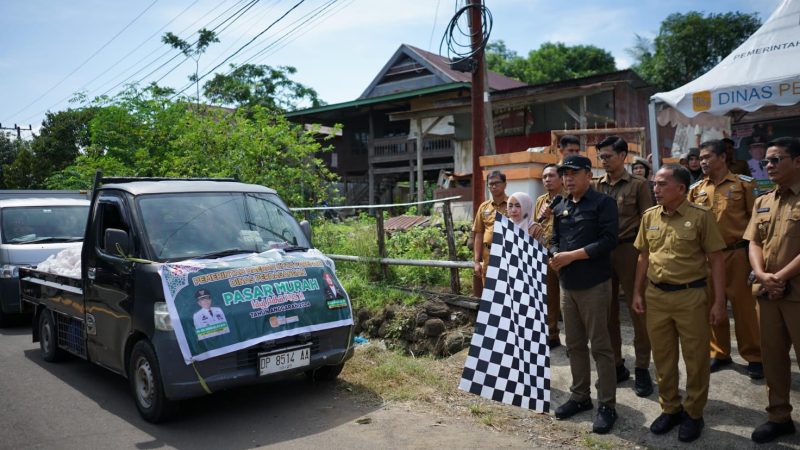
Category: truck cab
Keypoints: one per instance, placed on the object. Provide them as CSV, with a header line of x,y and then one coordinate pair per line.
x,y
125,315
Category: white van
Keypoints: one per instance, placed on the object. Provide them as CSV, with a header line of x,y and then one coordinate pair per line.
x,y
32,229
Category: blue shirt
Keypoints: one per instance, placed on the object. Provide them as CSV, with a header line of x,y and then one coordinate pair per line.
x,y
591,224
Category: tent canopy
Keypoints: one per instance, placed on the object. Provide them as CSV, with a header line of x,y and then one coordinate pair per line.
x,y
764,70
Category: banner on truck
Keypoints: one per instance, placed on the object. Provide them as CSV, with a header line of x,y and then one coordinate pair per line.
x,y
224,305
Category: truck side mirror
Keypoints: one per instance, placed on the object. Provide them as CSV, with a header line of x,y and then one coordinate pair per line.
x,y
306,227
116,242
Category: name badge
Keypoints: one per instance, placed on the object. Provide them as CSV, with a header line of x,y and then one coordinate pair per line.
x,y
653,227
762,210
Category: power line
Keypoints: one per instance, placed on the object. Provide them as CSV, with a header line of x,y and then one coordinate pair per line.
x,y
249,4
111,80
284,41
241,48
89,58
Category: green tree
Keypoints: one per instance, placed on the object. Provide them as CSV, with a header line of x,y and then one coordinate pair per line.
x,y
143,133
64,134
9,149
20,173
249,85
689,45
550,62
194,50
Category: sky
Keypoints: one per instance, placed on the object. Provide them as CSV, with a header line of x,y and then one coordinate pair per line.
x,y
50,50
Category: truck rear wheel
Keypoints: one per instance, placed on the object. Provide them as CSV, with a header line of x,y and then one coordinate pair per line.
x,y
48,337
325,373
146,385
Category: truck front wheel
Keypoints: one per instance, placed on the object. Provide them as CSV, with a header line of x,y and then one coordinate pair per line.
x,y
148,390
325,373
48,338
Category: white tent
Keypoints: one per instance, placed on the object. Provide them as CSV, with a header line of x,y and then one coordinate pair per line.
x,y
764,70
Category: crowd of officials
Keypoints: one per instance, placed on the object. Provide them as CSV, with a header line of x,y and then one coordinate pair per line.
x,y
680,247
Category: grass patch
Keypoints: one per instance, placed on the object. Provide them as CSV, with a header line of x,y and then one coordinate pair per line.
x,y
596,443
395,377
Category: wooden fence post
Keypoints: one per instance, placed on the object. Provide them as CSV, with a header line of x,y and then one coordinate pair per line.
x,y
455,283
381,243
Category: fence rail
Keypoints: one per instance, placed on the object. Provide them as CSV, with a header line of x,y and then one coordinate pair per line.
x,y
385,261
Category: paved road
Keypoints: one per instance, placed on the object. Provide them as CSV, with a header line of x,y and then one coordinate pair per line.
x,y
74,404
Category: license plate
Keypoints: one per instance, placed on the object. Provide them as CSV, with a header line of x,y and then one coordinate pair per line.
x,y
278,362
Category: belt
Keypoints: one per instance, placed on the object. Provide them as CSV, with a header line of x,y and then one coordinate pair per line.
x,y
736,246
667,287
626,241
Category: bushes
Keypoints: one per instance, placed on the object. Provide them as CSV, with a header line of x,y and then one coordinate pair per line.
x,y
357,236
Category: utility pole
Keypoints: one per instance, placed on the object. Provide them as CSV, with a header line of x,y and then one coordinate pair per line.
x,y
478,118
16,128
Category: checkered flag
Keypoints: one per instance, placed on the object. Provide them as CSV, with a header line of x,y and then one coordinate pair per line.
x,y
509,360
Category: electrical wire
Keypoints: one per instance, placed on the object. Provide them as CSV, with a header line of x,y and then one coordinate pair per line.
x,y
454,34
295,6
88,59
111,80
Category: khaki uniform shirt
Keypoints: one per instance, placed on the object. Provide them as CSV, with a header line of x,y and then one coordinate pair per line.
x,y
484,218
776,226
544,199
731,201
678,243
633,197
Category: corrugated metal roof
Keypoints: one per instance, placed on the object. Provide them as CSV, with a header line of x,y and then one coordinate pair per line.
x,y
400,223
381,99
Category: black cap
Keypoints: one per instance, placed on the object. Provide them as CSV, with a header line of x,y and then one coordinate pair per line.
x,y
575,162
694,151
202,293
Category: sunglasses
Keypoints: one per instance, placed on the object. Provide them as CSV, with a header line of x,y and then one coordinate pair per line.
x,y
775,160
495,183
605,156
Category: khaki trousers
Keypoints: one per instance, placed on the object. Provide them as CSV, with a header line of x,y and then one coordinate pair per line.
x,y
780,329
673,318
623,261
745,312
586,320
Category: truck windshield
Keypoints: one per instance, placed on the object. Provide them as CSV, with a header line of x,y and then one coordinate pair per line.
x,y
37,224
204,225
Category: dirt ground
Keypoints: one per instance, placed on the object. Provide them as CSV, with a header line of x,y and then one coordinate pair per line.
x,y
736,405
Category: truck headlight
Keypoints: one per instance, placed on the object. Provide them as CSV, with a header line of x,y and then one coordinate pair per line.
x,y
9,271
161,316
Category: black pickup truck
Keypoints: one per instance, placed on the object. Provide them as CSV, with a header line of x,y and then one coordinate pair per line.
x,y
193,286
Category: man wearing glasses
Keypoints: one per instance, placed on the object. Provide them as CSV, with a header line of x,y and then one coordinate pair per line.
x,y
632,194
774,235
730,197
483,225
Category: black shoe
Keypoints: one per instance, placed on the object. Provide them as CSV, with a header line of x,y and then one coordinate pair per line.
x,y
604,420
571,407
666,422
623,374
718,364
690,429
768,431
755,370
643,384
554,343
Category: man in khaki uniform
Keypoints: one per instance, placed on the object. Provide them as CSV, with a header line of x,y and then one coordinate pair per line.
x,y
774,235
731,198
632,194
543,232
674,240
484,221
